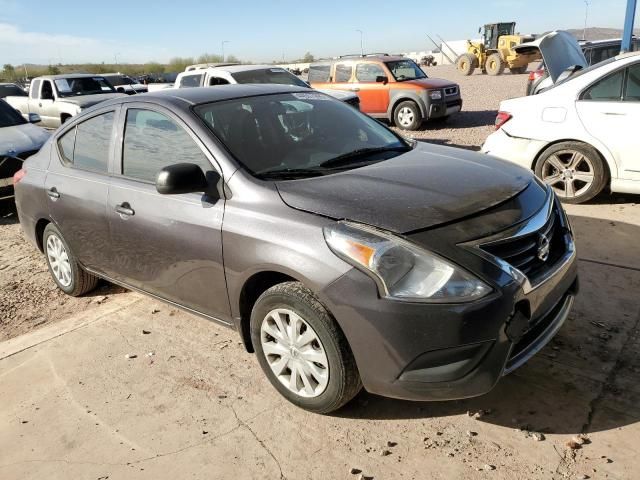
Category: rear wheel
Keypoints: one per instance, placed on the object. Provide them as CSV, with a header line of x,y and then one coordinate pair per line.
x,y
63,266
301,350
574,170
407,116
494,65
466,63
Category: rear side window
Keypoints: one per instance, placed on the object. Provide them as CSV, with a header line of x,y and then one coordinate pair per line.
x,y
632,90
190,81
607,89
343,73
319,73
34,89
87,145
153,141
217,81
368,72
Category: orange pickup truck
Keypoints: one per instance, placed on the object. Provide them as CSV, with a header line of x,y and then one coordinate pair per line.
x,y
390,87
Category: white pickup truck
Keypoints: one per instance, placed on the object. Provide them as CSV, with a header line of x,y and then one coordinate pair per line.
x,y
56,98
209,75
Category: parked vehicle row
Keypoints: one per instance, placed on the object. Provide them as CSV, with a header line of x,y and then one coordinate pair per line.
x,y
578,135
342,254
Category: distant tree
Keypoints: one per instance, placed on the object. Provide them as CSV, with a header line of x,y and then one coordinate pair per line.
x,y
153,67
308,58
53,70
232,59
179,64
209,58
8,71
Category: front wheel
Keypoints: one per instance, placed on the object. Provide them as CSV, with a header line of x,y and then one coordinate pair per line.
x,y
574,170
407,116
494,65
63,266
301,350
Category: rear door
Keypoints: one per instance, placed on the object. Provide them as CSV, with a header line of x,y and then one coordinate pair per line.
x,y
610,111
77,185
167,245
374,96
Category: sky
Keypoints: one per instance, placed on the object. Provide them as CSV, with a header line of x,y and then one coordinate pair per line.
x,y
135,31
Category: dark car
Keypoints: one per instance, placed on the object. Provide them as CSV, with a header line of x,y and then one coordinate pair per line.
x,y
11,90
342,254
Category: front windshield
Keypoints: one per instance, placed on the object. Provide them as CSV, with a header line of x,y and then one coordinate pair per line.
x,y
268,75
9,117
298,135
405,70
73,87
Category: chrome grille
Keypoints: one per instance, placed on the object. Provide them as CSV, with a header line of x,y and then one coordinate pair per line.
x,y
526,252
451,91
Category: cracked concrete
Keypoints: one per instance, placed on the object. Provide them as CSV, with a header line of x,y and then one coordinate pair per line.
x,y
73,406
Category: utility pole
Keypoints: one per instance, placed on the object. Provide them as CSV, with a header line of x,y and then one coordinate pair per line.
x,y
223,42
586,16
361,44
629,18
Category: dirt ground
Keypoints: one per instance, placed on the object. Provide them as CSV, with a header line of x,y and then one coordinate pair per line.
x,y
193,404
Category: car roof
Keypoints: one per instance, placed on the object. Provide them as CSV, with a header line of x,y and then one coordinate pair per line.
x,y
382,57
232,68
68,75
198,95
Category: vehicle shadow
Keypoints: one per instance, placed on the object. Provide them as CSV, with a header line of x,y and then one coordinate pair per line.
x,y
585,379
447,143
8,212
468,119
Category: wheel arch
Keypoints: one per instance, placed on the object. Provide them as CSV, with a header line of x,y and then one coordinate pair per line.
x,y
39,231
403,96
605,160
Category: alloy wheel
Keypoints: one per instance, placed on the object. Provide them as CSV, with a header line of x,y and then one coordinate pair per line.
x,y
59,260
569,173
294,353
405,116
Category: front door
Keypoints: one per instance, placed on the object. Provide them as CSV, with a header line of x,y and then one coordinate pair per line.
x,y
374,96
167,245
77,186
46,107
610,111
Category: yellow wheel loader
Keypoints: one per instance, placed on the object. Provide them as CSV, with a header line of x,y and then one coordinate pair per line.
x,y
495,52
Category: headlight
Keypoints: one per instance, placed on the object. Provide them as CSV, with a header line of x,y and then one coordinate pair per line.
x,y
402,270
435,95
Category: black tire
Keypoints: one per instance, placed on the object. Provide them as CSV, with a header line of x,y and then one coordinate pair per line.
x,y
401,115
518,70
81,281
344,380
466,63
494,65
564,152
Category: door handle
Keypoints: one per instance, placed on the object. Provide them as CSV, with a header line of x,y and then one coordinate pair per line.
x,y
124,209
355,89
40,104
53,193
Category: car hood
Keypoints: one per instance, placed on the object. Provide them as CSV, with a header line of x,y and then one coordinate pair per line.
x,y
430,83
560,50
86,101
21,138
425,187
338,94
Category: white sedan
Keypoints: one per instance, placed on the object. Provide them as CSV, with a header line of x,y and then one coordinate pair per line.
x,y
579,136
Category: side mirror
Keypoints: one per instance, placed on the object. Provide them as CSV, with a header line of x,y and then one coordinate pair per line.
x,y
34,118
181,178
382,79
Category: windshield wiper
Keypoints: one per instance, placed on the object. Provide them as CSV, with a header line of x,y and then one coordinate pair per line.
x,y
348,158
285,173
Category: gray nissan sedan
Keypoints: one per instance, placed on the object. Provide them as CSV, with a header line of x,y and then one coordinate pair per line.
x,y
343,255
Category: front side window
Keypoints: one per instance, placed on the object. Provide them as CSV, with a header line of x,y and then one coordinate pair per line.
x,y
78,86
86,146
47,91
607,89
343,73
153,141
369,72
319,73
190,81
405,70
298,134
632,90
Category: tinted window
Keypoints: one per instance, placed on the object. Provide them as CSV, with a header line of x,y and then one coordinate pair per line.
x,y
34,89
632,90
268,75
343,73
218,81
367,72
190,81
92,143
8,116
319,73
152,141
47,90
11,90
609,88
